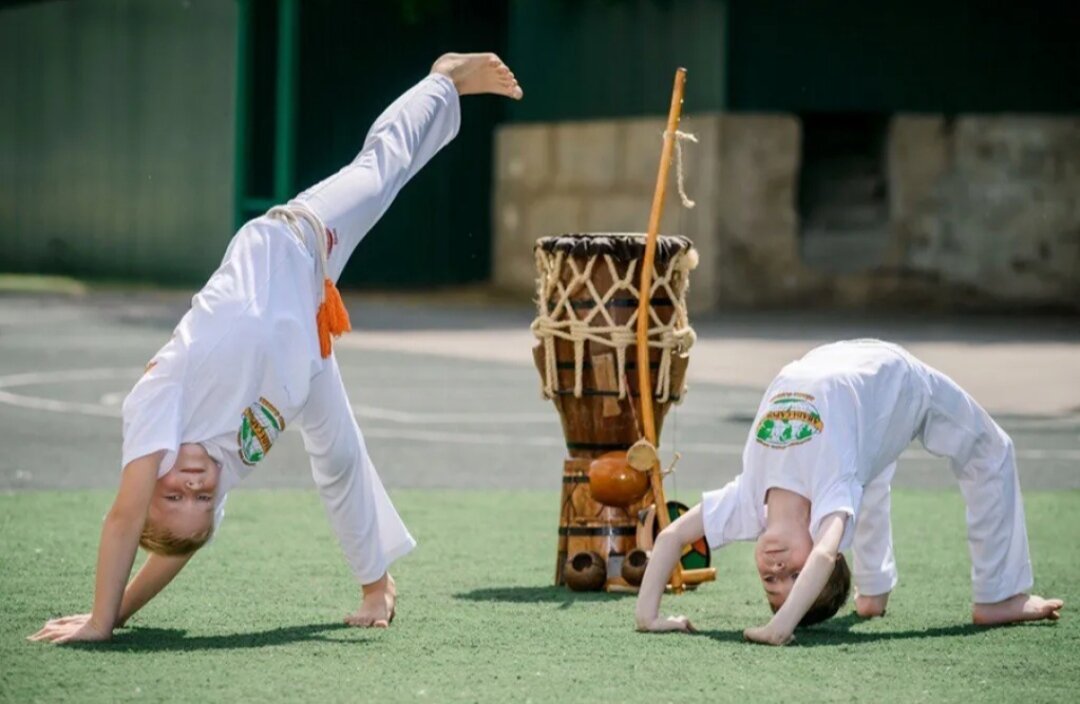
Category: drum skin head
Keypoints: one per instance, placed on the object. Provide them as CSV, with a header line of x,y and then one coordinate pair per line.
x,y
622,246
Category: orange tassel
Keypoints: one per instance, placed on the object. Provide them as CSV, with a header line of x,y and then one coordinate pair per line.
x,y
332,318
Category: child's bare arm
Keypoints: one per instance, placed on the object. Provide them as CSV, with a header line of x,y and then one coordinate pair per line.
x,y
807,587
665,555
119,542
152,577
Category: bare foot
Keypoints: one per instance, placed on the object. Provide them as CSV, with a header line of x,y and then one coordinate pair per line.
x,y
478,73
377,607
1022,607
871,606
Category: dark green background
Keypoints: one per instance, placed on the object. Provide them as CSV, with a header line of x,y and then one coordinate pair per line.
x,y
116,156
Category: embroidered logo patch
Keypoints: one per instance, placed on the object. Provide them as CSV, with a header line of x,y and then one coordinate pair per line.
x,y
260,426
791,419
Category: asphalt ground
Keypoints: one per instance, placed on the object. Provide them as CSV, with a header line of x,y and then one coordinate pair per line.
x,y
446,394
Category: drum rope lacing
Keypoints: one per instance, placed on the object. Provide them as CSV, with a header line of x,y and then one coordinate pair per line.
x,y
554,301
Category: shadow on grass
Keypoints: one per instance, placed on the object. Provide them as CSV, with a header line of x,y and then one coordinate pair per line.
x,y
539,595
141,639
838,631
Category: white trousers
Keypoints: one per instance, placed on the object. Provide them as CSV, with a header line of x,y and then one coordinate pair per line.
x,y
404,138
982,457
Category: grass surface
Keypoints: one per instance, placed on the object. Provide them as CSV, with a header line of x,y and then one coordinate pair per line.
x,y
258,616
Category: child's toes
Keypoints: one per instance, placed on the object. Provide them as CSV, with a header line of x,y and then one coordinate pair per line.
x,y
358,620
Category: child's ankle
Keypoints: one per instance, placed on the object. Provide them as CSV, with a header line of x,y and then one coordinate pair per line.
x,y
378,586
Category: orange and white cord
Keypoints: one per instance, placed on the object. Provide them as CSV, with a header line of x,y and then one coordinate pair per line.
x,y
331,318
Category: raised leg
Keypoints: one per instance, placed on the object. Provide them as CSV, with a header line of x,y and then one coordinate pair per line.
x,y
400,142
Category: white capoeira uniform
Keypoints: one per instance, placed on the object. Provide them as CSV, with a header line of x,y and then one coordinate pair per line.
x,y
244,363
831,427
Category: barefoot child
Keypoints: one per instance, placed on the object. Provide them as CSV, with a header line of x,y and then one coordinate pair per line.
x,y
816,472
253,356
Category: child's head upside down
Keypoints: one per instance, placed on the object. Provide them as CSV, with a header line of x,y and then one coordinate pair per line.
x,y
181,516
780,553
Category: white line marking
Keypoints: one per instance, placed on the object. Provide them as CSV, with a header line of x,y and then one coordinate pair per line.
x,y
109,408
440,374
109,403
443,437
44,404
67,375
457,418
59,377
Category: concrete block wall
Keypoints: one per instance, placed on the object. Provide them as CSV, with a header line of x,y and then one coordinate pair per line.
x,y
990,205
983,211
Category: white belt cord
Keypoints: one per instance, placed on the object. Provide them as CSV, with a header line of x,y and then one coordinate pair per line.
x,y
294,215
331,317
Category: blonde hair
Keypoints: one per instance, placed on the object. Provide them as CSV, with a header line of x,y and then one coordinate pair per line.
x,y
161,541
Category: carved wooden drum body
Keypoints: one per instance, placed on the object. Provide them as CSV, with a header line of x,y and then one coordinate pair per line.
x,y
587,300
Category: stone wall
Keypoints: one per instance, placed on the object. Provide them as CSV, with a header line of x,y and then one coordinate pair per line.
x,y
990,206
983,211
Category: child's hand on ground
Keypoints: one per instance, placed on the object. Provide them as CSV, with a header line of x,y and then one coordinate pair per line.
x,y
767,635
71,629
666,625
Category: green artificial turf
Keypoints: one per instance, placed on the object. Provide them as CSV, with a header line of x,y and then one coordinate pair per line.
x,y
258,615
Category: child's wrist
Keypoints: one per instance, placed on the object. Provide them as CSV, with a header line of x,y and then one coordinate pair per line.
x,y
644,620
98,625
777,626
377,586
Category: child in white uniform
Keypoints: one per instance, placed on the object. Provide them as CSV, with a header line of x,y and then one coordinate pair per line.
x,y
253,356
816,472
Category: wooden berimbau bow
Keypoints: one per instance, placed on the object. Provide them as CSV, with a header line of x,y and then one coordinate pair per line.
x,y
644,455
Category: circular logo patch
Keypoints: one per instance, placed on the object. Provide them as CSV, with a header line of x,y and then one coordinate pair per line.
x,y
260,426
791,419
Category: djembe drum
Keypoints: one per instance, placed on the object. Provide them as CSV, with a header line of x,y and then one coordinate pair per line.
x,y
587,299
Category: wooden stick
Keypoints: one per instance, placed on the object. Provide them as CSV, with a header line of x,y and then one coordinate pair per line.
x,y
648,421
704,574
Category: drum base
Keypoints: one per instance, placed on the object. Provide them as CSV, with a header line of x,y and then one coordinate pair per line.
x,y
586,525
692,579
